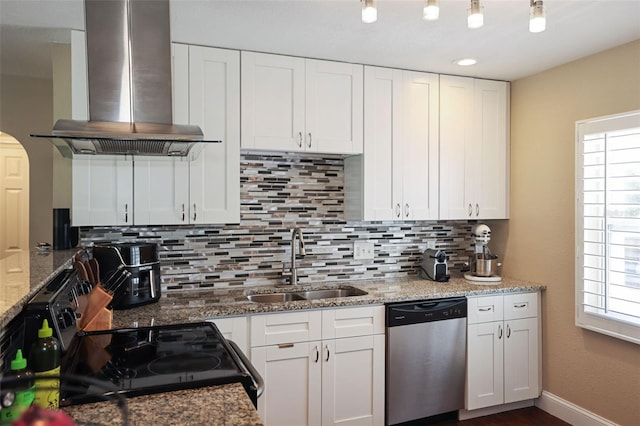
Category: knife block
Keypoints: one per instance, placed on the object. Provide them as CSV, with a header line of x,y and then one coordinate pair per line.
x,y
96,316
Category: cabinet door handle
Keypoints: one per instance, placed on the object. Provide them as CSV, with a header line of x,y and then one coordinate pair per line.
x,y
521,305
398,210
499,332
326,348
126,213
317,354
285,345
300,139
406,210
470,210
477,210
309,145
183,212
490,308
508,331
195,214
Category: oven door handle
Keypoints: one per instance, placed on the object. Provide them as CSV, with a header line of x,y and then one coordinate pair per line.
x,y
257,378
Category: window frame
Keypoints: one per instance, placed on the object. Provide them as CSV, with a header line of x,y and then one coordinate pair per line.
x,y
605,324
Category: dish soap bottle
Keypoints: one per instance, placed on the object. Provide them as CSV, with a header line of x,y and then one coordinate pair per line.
x,y
19,393
44,360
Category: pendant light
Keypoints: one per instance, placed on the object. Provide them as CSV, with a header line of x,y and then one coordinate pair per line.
x,y
369,11
475,19
537,19
431,10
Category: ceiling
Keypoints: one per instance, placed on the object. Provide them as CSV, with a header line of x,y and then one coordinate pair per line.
x,y
332,29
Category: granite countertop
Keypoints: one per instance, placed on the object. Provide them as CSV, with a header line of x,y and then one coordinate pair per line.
x,y
180,307
227,404
224,405
38,268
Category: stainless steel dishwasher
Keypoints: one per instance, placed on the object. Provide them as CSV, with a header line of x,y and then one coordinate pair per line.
x,y
426,357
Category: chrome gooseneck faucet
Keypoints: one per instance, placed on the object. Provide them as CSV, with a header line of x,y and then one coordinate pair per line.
x,y
294,273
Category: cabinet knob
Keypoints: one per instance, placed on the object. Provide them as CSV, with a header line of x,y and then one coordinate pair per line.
x,y
183,212
470,210
126,213
326,348
317,351
508,331
309,144
477,210
398,210
195,214
300,139
499,332
406,210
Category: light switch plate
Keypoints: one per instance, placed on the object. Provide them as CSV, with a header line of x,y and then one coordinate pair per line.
x,y
362,250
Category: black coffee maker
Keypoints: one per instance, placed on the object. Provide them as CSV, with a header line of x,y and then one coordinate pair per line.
x,y
141,260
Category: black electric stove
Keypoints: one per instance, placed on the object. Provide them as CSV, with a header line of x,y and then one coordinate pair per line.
x,y
145,360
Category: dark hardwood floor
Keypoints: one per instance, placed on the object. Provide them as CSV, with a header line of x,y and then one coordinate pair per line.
x,y
529,416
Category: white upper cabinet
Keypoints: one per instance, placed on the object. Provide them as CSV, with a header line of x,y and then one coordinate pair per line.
x,y
102,191
149,190
159,188
214,105
397,177
474,148
297,104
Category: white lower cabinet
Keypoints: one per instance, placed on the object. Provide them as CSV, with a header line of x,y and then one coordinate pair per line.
x,y
236,329
321,367
503,349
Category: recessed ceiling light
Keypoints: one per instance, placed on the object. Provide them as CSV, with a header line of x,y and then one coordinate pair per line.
x,y
465,62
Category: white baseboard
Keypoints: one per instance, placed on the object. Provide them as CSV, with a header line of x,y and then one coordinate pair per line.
x,y
487,411
570,412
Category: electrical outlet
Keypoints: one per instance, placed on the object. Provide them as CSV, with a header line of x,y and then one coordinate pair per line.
x,y
362,250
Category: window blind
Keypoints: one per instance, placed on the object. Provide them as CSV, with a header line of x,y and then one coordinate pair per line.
x,y
608,225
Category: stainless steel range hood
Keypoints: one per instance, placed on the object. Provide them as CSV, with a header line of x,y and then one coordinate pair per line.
x,y
129,76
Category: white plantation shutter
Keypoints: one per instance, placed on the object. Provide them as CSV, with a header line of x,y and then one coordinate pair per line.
x,y
608,225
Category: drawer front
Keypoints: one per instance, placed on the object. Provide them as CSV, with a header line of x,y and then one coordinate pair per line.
x,y
352,322
521,305
291,327
484,309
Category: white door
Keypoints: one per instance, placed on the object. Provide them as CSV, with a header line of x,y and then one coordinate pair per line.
x,y
292,376
491,149
353,381
383,112
333,107
273,102
160,190
485,386
102,190
214,105
457,162
419,144
521,360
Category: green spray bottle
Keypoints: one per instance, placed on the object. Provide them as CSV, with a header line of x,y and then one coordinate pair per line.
x,y
44,359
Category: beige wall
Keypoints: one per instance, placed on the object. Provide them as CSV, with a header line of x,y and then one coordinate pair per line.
x,y
594,371
25,107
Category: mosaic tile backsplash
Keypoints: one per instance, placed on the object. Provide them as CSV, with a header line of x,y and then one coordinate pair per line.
x,y
278,193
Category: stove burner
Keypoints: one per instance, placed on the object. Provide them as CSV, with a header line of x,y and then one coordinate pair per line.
x,y
188,363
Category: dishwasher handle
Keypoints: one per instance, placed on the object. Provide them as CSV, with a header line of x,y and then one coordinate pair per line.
x,y
399,314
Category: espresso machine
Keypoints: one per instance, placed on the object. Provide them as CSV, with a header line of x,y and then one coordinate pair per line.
x,y
482,264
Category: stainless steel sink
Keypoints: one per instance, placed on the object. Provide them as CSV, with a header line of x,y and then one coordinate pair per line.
x,y
274,297
306,295
332,293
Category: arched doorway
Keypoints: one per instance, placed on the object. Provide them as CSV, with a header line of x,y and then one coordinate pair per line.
x,y
14,196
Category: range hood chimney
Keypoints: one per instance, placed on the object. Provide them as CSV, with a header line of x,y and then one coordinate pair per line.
x,y
129,76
